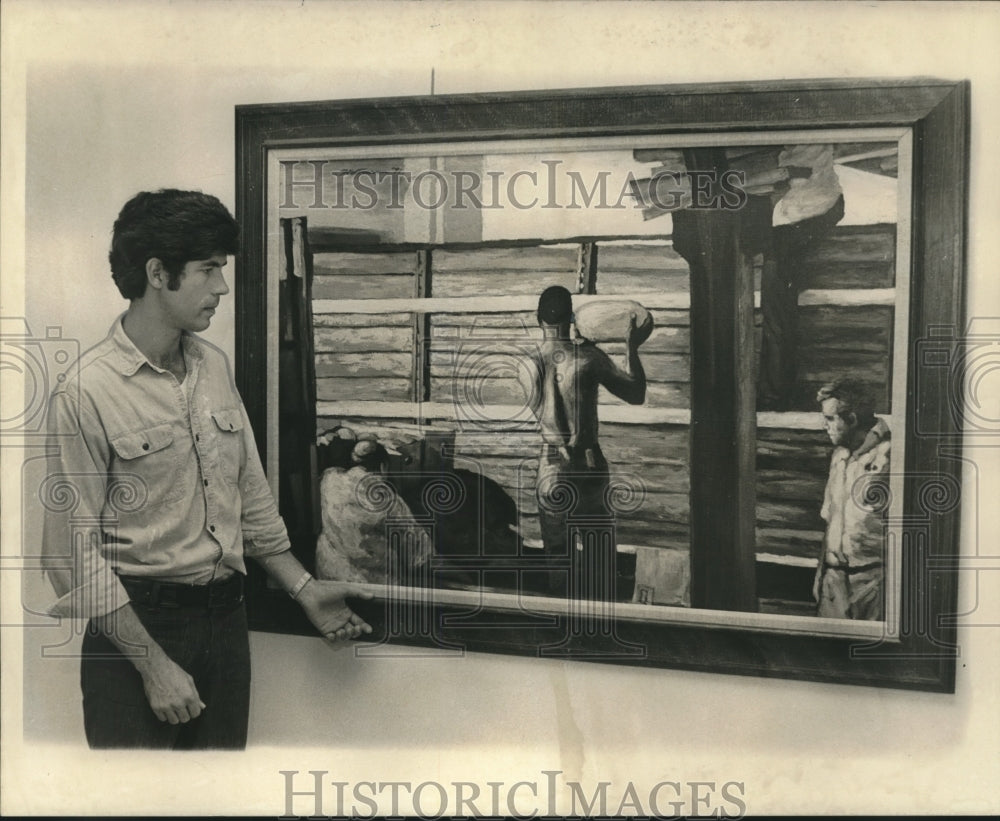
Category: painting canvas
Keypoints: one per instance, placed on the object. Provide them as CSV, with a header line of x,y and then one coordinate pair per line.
x,y
619,388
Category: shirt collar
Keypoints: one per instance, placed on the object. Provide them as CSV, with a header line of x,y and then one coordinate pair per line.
x,y
130,358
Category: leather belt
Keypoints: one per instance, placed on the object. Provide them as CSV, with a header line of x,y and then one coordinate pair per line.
x,y
152,593
851,569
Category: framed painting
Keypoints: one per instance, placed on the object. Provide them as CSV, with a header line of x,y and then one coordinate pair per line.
x,y
661,376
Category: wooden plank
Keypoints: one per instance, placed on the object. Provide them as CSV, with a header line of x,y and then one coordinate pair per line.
x,y
831,275
825,365
660,442
797,485
657,510
785,449
650,477
482,305
340,263
476,394
508,444
866,328
674,535
464,362
613,281
506,304
525,258
369,365
658,395
488,363
787,515
359,340
501,283
848,296
855,243
484,393
347,320
806,543
621,415
520,324
641,256
669,333
392,286
334,389
653,477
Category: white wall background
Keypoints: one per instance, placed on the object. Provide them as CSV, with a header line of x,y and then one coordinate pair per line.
x,y
103,99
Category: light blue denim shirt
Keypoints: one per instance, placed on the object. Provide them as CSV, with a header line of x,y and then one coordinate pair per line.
x,y
150,477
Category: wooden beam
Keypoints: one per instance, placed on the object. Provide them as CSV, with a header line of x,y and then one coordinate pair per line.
x,y
723,387
503,414
667,301
422,330
587,268
298,478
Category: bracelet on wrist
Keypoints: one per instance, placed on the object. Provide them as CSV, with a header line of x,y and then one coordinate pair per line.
x,y
300,584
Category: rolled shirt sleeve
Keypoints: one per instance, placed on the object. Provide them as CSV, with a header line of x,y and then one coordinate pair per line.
x,y
264,532
73,495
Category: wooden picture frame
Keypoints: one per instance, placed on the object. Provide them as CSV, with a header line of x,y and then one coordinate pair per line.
x,y
914,646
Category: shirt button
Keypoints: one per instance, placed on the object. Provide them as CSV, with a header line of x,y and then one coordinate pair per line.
x,y
212,528
197,437
206,483
145,445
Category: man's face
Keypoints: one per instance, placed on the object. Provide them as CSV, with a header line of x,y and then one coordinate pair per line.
x,y
836,427
201,286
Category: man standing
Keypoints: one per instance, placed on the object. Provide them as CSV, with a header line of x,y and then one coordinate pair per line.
x,y
572,483
850,576
168,496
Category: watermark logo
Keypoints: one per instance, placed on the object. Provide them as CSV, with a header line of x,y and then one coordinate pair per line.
x,y
966,369
314,794
31,367
324,184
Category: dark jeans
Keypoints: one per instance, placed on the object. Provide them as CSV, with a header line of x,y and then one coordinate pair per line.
x,y
212,645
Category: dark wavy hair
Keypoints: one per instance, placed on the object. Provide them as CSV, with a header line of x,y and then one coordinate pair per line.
x,y
853,396
172,226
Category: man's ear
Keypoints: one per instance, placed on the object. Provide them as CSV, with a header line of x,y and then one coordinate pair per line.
x,y
851,419
156,274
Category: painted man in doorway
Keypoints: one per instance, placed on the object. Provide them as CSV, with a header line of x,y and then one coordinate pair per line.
x,y
850,576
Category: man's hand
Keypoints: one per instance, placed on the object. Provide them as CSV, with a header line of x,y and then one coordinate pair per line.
x,y
324,603
171,691
630,333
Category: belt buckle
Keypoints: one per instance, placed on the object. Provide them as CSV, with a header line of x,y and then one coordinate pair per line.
x,y
222,593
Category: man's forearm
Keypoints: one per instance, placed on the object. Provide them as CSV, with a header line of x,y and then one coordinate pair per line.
x,y
127,633
170,690
638,374
283,567
323,601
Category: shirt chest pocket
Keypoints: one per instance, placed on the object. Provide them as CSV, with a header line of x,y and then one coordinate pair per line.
x,y
146,467
228,430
